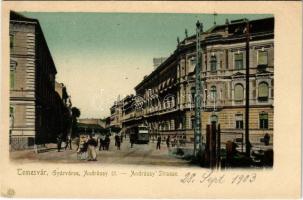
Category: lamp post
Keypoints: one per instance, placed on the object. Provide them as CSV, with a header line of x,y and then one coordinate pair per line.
x,y
197,130
247,142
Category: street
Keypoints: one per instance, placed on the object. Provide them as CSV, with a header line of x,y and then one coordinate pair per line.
x,y
140,154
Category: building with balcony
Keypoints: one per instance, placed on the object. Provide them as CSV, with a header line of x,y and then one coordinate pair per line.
x,y
167,94
35,114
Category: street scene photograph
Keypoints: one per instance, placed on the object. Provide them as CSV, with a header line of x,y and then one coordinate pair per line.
x,y
151,89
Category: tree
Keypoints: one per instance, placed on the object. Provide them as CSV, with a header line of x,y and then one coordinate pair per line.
x,y
75,115
76,112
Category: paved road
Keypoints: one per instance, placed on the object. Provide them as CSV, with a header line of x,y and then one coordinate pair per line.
x,y
140,154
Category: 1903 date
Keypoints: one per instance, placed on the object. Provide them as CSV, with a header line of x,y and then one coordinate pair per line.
x,y
212,178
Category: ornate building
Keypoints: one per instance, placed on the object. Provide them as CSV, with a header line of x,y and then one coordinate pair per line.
x,y
166,96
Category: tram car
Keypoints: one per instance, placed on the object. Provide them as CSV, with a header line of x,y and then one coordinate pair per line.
x,y
139,134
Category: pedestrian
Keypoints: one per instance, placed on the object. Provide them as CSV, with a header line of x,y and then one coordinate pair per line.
x,y
68,142
266,139
59,143
77,141
107,142
102,143
132,140
158,142
168,141
92,144
117,141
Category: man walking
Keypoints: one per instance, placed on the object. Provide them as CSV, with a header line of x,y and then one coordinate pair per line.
x,y
118,141
158,142
68,142
168,141
59,143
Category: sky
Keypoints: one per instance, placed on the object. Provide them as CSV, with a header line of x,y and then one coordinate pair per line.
x,y
99,56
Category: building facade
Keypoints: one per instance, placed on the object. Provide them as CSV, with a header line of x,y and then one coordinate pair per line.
x,y
167,94
116,114
34,108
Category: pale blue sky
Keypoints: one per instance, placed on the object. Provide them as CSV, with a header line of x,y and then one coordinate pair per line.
x,y
101,55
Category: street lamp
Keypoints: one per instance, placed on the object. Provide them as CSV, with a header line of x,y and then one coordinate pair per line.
x,y
247,142
197,129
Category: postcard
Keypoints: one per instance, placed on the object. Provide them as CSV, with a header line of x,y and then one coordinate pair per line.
x,y
151,99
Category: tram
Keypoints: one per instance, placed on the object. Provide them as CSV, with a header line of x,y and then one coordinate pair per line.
x,y
139,134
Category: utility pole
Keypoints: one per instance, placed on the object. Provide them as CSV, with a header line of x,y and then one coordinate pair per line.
x,y
247,142
197,130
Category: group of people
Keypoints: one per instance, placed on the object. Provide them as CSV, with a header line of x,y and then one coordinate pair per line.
x,y
104,142
87,148
159,142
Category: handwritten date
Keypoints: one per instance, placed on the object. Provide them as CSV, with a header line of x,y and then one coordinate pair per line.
x,y
211,178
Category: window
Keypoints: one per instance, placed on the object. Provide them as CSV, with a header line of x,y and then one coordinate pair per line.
x,y
192,65
263,120
262,58
239,61
239,92
239,121
11,116
263,92
213,92
11,40
193,122
12,74
193,92
213,118
213,63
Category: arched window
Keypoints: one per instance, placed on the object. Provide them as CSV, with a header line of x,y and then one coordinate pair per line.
x,y
239,92
213,63
263,91
213,92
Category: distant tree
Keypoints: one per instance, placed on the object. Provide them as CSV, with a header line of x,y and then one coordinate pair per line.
x,y
76,112
75,115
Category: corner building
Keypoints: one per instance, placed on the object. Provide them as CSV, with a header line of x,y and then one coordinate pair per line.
x,y
168,92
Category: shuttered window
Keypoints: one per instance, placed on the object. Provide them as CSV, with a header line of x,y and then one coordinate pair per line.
x,y
262,58
239,61
239,92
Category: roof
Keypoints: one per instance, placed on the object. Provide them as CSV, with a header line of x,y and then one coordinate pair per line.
x,y
96,127
14,16
263,25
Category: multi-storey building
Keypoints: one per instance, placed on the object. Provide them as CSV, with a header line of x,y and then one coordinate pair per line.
x,y
167,94
34,105
116,114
